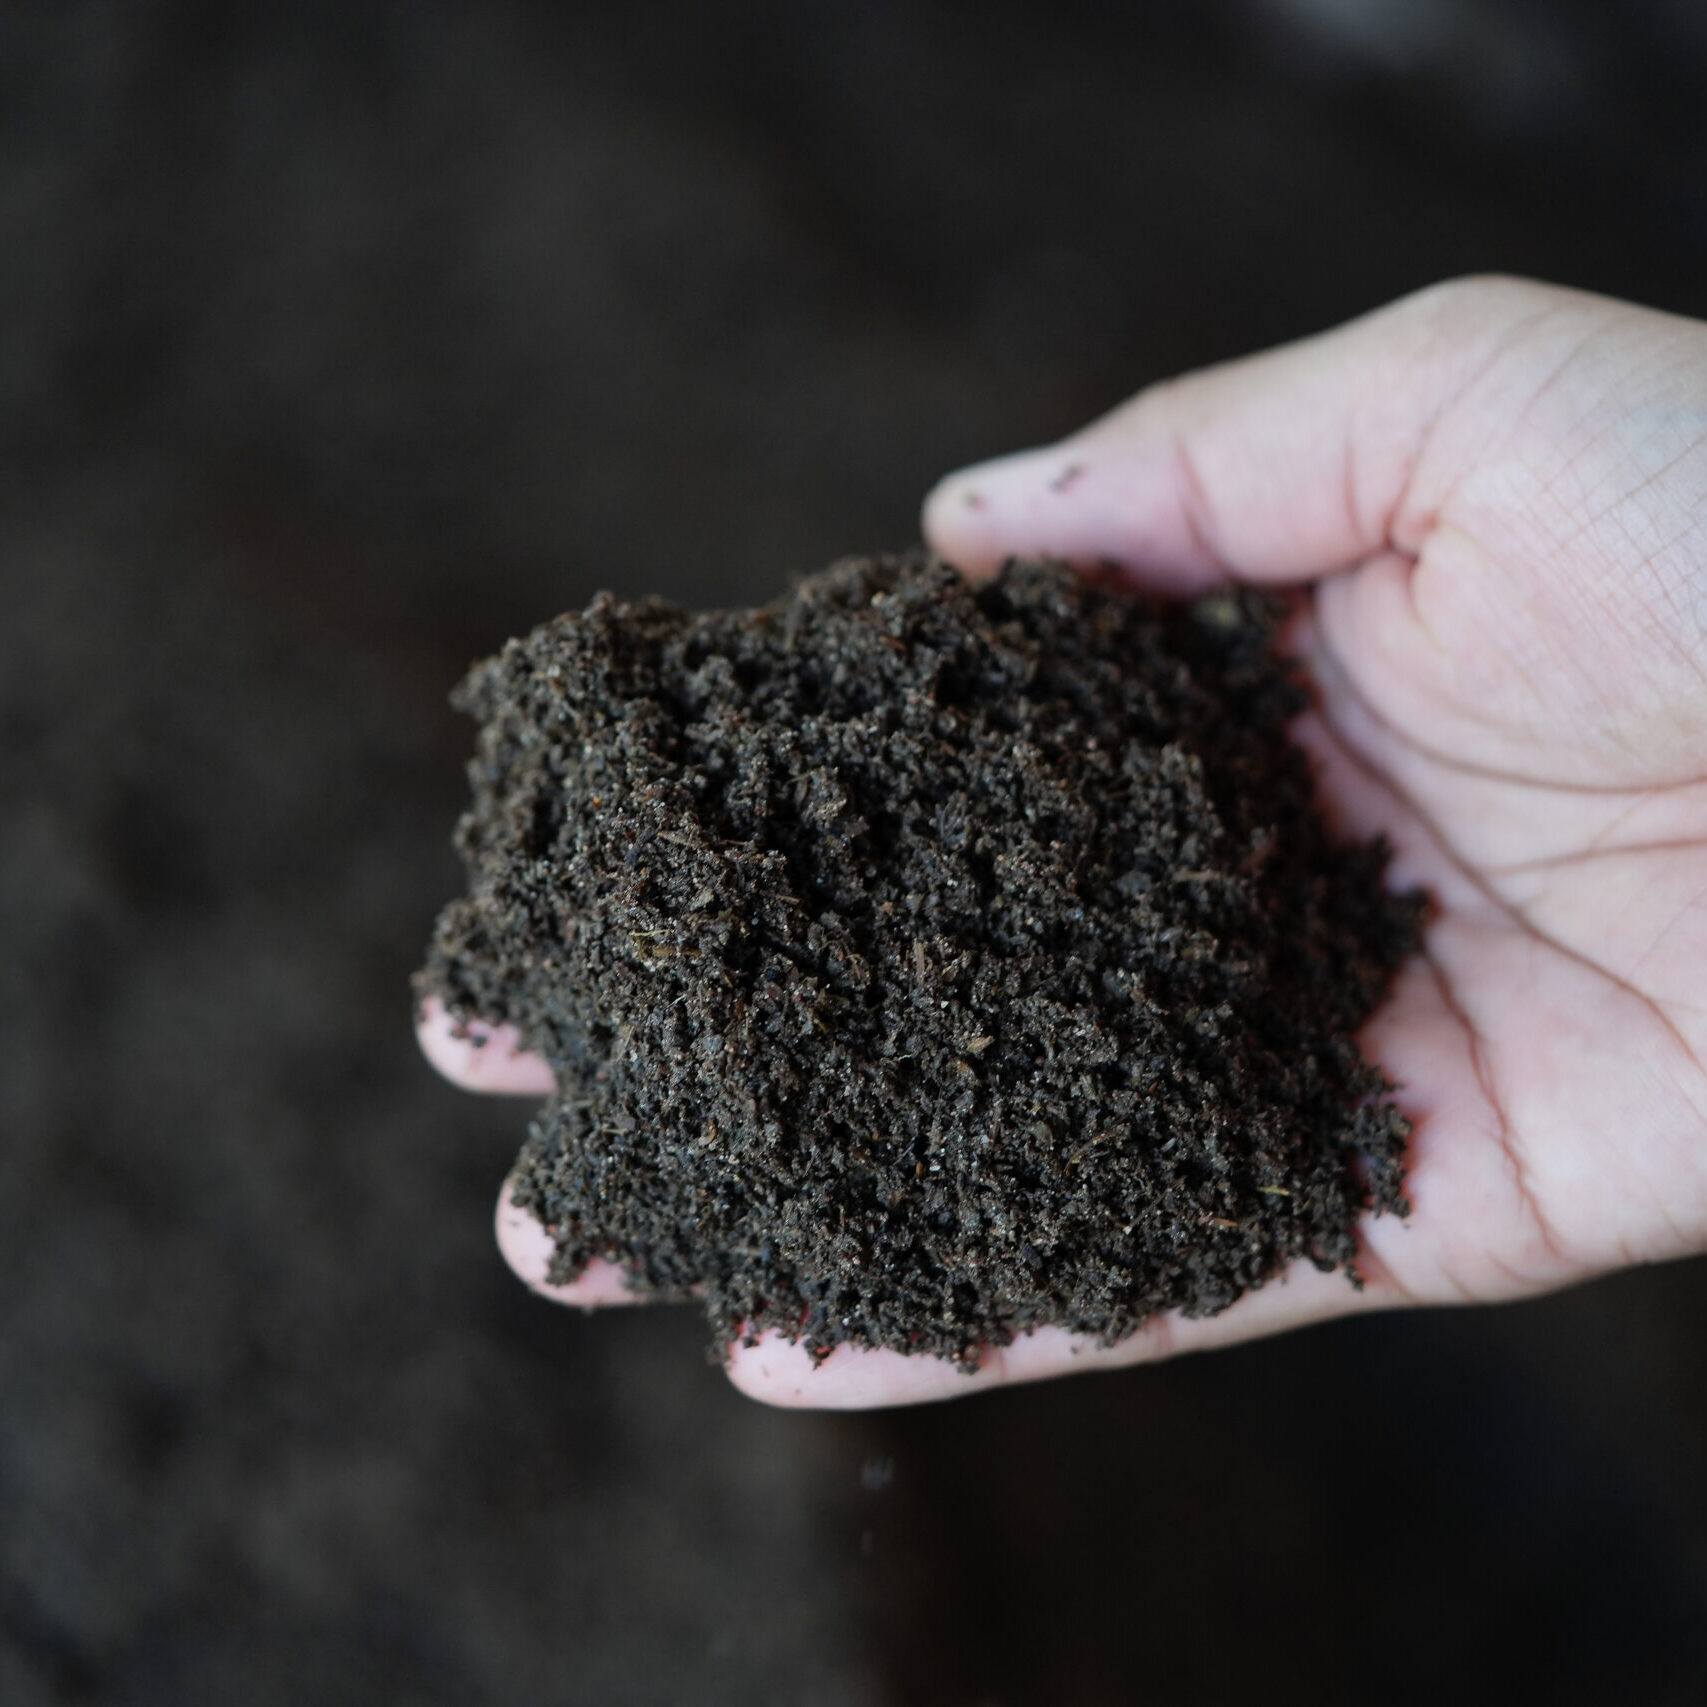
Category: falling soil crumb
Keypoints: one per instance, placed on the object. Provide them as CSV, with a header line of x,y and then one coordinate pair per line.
x,y
922,962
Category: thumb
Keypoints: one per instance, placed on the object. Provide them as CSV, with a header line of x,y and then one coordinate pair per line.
x,y
1280,467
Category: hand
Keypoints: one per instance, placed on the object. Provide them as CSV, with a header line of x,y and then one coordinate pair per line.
x,y
1496,495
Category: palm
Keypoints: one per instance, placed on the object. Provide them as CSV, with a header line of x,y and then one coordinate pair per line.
x,y
1520,709
1517,1034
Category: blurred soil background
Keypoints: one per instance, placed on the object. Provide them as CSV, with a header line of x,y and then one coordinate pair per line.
x,y
338,342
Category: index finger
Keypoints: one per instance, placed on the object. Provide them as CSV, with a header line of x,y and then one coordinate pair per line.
x,y
1281,467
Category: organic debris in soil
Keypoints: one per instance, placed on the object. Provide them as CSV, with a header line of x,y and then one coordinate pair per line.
x,y
921,962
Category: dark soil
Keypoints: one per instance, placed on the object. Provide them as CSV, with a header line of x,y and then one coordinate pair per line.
x,y
923,962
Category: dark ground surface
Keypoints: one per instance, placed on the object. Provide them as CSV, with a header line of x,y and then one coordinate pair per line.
x,y
334,350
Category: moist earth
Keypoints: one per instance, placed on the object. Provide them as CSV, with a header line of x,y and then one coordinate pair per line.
x,y
923,961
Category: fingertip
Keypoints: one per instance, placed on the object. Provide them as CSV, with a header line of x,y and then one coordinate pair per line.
x,y
529,1248
1092,501
526,1245
955,526
782,1372
479,1057
980,516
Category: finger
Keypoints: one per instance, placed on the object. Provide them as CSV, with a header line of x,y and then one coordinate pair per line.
x,y
1280,467
480,1057
781,1372
528,1249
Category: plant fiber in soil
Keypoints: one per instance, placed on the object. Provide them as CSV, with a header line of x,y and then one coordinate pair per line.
x,y
921,962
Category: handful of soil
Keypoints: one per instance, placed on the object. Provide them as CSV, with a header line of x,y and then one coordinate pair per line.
x,y
921,962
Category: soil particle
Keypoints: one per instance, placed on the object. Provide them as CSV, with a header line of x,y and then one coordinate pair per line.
x,y
921,962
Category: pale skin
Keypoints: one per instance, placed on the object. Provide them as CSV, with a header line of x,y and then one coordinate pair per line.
x,y
1492,498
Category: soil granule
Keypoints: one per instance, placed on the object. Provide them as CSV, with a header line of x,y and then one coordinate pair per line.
x,y
921,962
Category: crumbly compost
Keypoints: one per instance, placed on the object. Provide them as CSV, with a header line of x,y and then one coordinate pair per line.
x,y
921,962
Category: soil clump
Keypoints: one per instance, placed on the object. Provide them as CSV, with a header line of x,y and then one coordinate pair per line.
x,y
921,962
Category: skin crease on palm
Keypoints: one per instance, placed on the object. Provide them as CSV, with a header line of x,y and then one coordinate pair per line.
x,y
1492,497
